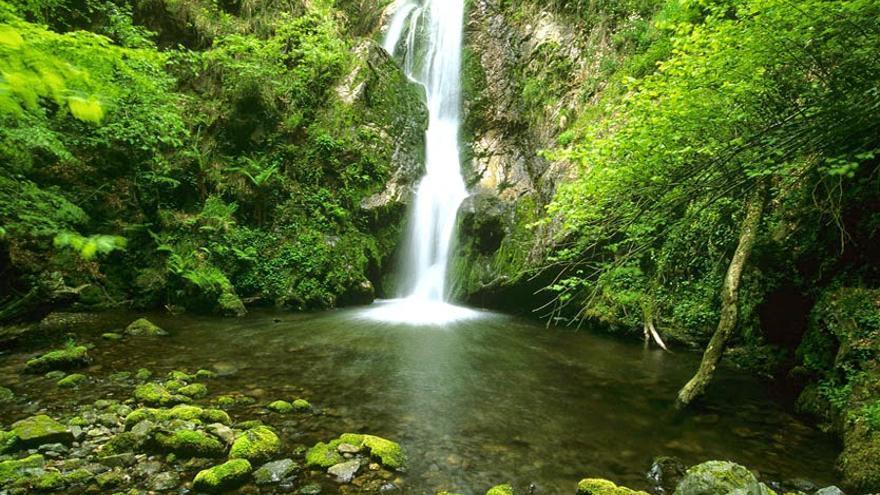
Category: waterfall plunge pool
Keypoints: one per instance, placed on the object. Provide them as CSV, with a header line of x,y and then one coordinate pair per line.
x,y
481,401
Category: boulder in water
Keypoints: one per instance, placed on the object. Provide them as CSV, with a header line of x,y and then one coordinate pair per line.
x,y
39,430
598,486
259,444
224,477
144,328
69,358
720,478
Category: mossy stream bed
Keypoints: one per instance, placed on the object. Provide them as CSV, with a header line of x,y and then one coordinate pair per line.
x,y
495,399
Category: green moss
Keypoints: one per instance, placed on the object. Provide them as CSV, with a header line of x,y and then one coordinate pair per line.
x,y
111,336
49,480
143,374
257,445
596,486
144,327
280,407
174,385
110,479
61,359
6,395
225,401
224,477
324,455
77,476
389,453
501,490
181,411
8,442
302,405
39,430
13,472
72,381
122,443
188,443
859,459
195,391
180,376
205,374
153,394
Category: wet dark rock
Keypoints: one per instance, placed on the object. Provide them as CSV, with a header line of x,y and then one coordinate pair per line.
x,y
118,460
59,360
665,474
345,471
275,471
144,327
312,489
830,490
161,482
56,448
39,430
720,478
148,468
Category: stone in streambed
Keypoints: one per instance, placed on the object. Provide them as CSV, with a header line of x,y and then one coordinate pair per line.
x,y
502,490
280,407
15,471
61,359
8,442
194,391
275,471
39,430
258,444
189,443
666,473
161,482
345,471
389,453
72,381
6,395
829,490
597,486
144,327
153,394
111,336
224,477
720,477
302,405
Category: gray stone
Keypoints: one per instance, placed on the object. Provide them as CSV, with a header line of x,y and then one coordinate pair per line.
x,y
312,489
118,460
144,428
275,471
148,468
345,471
161,482
830,490
720,478
347,448
222,432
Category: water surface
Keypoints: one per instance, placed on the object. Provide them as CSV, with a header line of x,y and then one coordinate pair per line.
x,y
478,402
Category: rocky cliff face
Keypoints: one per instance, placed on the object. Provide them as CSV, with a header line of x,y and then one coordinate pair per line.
x,y
526,72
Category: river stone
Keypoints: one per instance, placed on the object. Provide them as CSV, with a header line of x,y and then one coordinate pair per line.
x,y
144,327
148,468
830,490
6,395
224,477
665,473
345,471
161,482
312,489
39,430
347,448
275,471
222,432
720,478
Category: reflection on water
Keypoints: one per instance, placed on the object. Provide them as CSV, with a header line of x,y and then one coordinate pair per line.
x,y
477,402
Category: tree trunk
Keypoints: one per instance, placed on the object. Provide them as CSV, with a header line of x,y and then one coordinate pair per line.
x,y
729,298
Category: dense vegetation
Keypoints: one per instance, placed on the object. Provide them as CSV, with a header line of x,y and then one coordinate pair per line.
x,y
193,154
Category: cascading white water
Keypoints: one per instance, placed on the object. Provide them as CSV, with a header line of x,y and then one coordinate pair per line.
x,y
429,34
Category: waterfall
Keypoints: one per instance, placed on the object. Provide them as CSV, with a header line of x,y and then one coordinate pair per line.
x,y
428,33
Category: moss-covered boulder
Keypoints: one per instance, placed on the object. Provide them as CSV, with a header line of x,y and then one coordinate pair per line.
x,y
144,327
8,442
302,405
224,477
39,430
72,381
720,478
257,445
68,358
280,407
190,443
501,490
16,472
389,453
598,486
194,391
123,443
6,395
183,412
154,394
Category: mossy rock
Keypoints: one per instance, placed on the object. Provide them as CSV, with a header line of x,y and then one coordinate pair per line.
x,y
257,445
389,453
194,391
122,443
597,486
61,359
72,381
181,376
8,442
205,374
720,478
154,394
860,460
144,328
110,479
280,407
224,477
47,481
230,305
39,430
183,412
16,472
113,336
189,443
143,374
302,405
6,395
501,490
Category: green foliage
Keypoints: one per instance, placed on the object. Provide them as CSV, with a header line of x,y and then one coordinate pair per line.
x,y
745,91
89,247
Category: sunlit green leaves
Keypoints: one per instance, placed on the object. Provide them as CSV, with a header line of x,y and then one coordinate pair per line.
x,y
89,247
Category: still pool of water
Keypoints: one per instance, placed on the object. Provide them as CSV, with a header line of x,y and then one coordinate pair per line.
x,y
478,402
